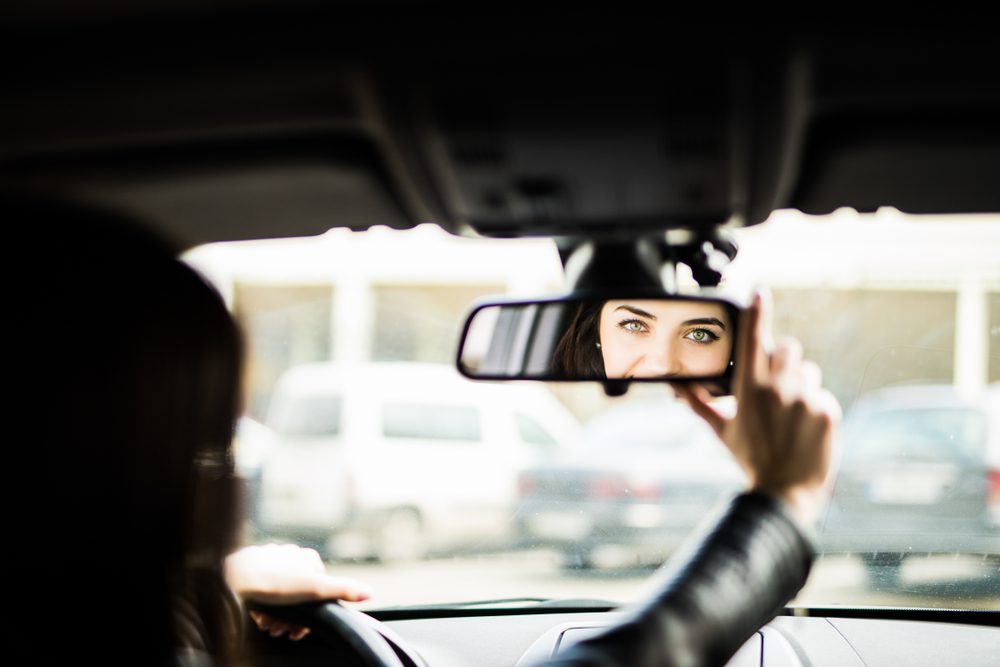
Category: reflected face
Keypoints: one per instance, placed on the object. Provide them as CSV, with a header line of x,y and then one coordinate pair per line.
x,y
654,338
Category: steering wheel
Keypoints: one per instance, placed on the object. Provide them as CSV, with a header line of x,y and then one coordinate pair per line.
x,y
335,625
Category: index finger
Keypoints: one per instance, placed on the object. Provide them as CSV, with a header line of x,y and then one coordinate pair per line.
x,y
753,366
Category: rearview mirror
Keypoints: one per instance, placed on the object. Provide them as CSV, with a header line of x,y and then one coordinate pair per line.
x,y
611,340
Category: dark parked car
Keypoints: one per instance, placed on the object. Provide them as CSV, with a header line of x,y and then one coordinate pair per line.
x,y
647,473
920,474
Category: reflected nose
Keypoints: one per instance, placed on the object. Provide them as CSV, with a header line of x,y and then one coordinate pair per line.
x,y
660,361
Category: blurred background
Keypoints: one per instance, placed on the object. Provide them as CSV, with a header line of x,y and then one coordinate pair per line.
x,y
559,491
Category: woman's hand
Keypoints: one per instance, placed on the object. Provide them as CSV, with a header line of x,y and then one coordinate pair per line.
x,y
286,574
783,431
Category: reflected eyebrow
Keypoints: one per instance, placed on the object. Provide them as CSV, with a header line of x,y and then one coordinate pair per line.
x,y
706,320
636,311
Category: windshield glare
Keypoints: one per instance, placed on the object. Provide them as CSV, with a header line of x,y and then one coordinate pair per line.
x,y
445,490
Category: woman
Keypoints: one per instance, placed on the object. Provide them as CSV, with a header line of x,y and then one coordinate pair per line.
x,y
131,374
647,338
141,377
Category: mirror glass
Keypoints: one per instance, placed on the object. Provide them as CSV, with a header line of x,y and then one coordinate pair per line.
x,y
666,338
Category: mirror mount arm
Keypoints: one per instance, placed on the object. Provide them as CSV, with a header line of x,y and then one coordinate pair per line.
x,y
649,262
705,252
610,264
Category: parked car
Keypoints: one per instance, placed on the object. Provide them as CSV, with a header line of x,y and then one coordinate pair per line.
x,y
252,443
646,474
394,460
919,475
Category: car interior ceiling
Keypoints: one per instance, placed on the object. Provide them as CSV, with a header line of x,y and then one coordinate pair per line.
x,y
264,116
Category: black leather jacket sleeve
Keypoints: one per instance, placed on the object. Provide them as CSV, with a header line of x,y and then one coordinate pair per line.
x,y
714,596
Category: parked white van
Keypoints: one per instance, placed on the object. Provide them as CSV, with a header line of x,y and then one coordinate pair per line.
x,y
364,467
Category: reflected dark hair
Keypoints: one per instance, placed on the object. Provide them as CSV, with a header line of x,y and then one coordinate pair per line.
x,y
133,387
577,354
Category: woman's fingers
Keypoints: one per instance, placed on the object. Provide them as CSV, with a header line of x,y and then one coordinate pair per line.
x,y
786,368
745,344
276,627
287,574
764,338
308,587
787,355
697,397
810,376
753,366
327,587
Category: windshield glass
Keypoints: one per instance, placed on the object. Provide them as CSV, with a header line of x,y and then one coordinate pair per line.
x,y
443,490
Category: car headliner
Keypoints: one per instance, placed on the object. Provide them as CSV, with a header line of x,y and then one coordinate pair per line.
x,y
234,120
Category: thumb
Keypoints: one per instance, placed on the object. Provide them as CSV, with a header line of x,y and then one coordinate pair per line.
x,y
697,398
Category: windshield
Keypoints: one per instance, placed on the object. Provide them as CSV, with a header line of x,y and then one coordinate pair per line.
x,y
442,490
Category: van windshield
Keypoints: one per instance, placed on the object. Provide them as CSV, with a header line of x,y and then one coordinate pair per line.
x,y
430,422
306,415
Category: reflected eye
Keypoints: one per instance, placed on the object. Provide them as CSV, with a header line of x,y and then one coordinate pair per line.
x,y
633,326
702,336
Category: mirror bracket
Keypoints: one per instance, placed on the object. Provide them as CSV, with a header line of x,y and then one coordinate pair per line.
x,y
616,263
650,262
706,252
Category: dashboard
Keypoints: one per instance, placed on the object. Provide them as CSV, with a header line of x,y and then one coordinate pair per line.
x,y
787,641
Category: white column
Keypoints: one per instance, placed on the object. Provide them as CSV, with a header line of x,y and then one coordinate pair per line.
x,y
971,336
353,320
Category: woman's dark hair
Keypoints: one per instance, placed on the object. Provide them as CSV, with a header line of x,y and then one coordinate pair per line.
x,y
132,365
577,353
